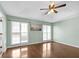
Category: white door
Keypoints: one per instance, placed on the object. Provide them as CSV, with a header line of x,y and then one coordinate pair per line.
x,y
24,32
19,33
15,33
46,32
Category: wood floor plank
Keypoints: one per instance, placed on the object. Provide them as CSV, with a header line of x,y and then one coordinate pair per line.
x,y
43,50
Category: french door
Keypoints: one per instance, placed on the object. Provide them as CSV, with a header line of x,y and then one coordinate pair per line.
x,y
24,32
46,32
19,33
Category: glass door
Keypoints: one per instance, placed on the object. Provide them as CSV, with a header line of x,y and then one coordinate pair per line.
x,y
15,34
24,32
19,33
46,32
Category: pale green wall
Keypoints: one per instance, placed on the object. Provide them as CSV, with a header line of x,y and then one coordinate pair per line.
x,y
34,36
67,32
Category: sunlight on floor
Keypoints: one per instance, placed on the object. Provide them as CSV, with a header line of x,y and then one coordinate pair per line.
x,y
46,49
16,53
24,52
21,52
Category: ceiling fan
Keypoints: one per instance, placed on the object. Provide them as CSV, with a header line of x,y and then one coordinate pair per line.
x,y
52,8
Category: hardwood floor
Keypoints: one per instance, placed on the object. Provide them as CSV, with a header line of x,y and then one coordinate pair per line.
x,y
43,50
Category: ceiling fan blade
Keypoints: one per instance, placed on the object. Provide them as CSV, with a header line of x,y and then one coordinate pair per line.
x,y
55,11
52,3
44,9
63,5
46,13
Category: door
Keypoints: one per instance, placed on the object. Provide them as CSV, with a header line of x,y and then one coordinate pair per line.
x,y
46,32
24,33
15,33
19,33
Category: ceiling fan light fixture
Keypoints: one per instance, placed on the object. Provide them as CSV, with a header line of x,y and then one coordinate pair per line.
x,y
51,10
48,13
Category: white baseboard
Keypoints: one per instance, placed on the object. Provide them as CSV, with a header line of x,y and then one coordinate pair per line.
x,y
40,42
67,44
12,46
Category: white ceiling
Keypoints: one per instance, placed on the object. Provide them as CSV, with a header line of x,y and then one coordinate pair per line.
x,y
31,10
